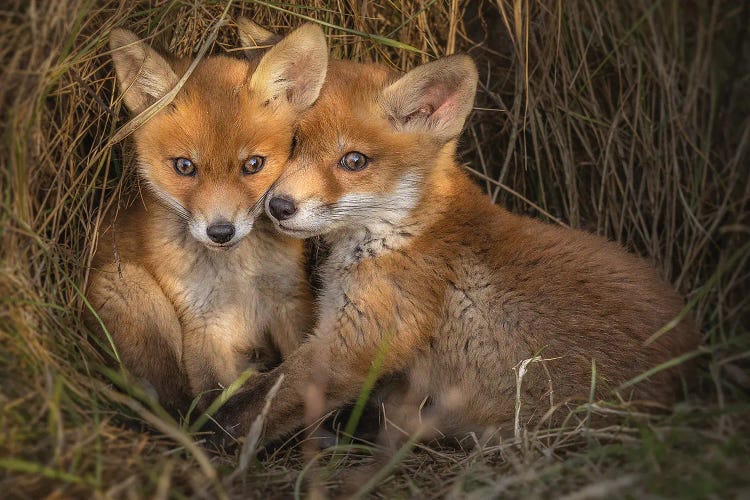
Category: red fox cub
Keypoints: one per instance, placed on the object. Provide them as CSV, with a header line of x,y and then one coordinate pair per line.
x,y
451,290
191,284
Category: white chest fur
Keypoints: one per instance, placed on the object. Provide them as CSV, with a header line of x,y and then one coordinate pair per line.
x,y
229,294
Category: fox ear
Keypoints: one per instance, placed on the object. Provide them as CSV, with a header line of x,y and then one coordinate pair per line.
x,y
255,38
435,98
292,72
144,75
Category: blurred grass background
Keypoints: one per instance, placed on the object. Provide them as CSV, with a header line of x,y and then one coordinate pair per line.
x,y
629,119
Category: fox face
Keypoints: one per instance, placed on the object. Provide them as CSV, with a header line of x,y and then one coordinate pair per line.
x,y
361,153
211,154
212,158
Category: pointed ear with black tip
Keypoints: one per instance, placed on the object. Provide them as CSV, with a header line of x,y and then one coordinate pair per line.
x,y
292,72
144,75
254,38
434,98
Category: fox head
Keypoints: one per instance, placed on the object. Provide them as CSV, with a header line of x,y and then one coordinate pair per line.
x,y
362,153
212,153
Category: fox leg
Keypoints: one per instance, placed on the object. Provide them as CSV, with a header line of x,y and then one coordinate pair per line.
x,y
211,360
144,328
291,323
325,367
214,356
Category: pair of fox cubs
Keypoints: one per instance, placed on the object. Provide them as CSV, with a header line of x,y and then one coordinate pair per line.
x,y
447,290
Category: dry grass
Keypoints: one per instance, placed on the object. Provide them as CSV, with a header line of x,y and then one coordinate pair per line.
x,y
626,118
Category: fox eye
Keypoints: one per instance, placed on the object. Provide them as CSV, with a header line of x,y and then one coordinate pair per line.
x,y
183,166
353,161
253,165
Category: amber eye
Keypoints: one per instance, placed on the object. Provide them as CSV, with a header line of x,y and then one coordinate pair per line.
x,y
183,166
353,161
253,165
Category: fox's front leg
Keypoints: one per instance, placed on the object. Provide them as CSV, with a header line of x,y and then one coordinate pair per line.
x,y
216,354
292,321
144,327
211,358
323,374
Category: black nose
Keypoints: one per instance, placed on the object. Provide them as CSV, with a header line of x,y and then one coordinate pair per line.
x,y
281,208
221,232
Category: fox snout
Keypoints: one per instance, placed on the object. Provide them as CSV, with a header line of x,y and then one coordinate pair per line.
x,y
220,232
299,218
281,207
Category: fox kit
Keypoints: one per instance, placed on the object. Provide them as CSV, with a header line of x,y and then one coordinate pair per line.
x,y
191,284
451,290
